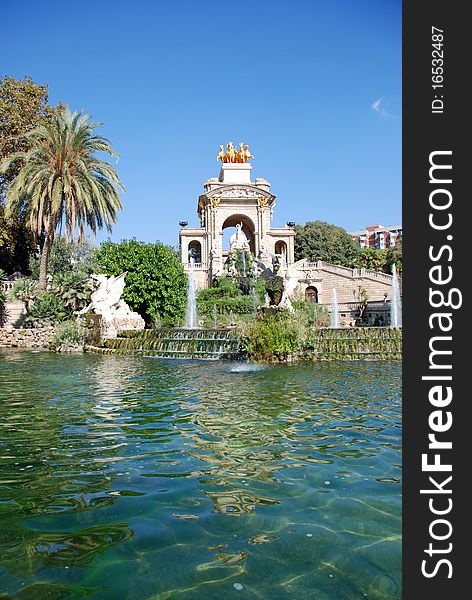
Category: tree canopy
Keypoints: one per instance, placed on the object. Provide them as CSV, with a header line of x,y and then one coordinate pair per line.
x,y
317,240
155,284
23,104
61,183
378,259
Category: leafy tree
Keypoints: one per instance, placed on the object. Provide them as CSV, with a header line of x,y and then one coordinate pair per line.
x,y
381,259
372,258
65,257
395,255
317,240
23,104
61,183
156,284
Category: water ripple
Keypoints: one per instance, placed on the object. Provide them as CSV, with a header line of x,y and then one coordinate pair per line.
x,y
139,467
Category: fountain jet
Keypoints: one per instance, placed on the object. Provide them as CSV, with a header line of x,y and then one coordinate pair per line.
x,y
334,309
395,302
191,313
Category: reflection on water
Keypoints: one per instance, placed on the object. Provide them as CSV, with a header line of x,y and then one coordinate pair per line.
x,y
127,477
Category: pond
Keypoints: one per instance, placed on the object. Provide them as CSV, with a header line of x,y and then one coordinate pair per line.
x,y
132,477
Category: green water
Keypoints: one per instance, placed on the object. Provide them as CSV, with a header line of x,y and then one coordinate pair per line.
x,y
140,478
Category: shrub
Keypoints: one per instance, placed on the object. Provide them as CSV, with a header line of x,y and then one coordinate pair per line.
x,y
311,314
68,333
228,298
2,293
275,336
47,310
156,284
74,288
24,290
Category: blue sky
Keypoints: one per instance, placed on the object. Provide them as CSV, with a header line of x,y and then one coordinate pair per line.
x,y
314,88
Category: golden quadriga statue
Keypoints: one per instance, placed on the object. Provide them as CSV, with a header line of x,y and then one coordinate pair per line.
x,y
231,155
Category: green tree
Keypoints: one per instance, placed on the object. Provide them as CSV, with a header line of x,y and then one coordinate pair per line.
x,y
317,240
372,258
23,104
61,183
65,257
395,255
156,284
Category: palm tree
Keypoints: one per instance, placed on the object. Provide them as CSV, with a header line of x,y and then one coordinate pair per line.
x,y
61,183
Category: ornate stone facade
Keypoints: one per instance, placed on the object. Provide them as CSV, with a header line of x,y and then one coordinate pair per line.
x,y
233,200
227,201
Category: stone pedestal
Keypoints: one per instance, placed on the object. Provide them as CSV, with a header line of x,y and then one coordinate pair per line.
x,y
235,173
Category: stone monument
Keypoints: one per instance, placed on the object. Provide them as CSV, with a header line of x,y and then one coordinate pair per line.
x,y
106,301
234,200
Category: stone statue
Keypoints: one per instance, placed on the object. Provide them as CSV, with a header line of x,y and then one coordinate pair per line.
x,y
214,248
107,294
106,301
238,241
263,251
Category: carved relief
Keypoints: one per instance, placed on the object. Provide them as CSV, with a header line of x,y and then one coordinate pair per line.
x,y
240,192
262,202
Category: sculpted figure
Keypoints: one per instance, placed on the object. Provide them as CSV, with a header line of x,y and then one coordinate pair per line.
x,y
221,154
238,241
247,153
106,301
240,154
263,251
107,295
231,153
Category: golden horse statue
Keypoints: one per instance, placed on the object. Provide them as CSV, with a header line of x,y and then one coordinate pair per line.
x,y
231,155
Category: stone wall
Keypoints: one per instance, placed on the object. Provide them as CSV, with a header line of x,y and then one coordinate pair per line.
x,y
25,338
324,277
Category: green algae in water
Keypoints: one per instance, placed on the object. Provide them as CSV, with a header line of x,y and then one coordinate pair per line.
x,y
133,477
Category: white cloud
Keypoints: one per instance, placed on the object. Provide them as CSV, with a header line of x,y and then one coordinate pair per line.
x,y
378,108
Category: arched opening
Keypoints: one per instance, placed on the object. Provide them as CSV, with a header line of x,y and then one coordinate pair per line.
x,y
281,248
311,294
195,251
229,227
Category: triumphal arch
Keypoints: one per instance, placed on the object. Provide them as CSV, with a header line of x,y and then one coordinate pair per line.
x,y
234,200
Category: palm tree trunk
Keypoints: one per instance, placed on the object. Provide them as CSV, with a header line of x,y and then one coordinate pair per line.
x,y
45,254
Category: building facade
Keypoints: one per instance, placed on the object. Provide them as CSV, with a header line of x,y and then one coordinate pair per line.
x,y
378,236
233,200
229,200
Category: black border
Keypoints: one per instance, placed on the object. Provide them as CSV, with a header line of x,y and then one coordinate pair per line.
x,y
423,133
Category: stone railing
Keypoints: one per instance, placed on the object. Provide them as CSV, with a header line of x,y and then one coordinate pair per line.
x,y
373,275
345,271
6,286
200,266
